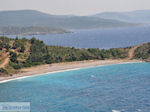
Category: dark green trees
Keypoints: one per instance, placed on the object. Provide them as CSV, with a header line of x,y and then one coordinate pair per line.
x,y
26,53
38,52
19,44
13,57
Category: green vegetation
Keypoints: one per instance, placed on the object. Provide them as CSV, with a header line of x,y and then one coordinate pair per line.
x,y
142,52
26,53
19,45
38,52
3,71
4,43
63,54
13,57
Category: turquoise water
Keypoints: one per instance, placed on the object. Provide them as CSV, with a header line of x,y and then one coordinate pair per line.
x,y
124,87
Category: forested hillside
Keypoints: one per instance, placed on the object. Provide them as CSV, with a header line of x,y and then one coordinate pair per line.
x,y
19,53
143,52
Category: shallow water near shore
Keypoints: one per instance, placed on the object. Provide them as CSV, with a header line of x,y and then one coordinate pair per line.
x,y
122,88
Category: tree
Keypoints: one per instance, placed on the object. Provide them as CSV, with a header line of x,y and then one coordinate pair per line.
x,y
22,48
13,57
16,38
33,39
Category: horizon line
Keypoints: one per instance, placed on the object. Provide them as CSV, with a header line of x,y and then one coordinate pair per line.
x,y
1,10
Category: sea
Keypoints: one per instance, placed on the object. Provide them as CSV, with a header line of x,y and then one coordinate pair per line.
x,y
111,88
97,38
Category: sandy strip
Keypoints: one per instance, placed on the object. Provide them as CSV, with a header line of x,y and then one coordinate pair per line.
x,y
62,67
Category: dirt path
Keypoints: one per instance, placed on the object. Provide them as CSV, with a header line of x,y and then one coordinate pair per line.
x,y
27,50
5,62
131,51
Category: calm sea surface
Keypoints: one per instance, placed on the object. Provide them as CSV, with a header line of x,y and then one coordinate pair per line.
x,y
124,88
99,38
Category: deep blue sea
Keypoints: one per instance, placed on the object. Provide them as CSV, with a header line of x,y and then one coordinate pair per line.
x,y
123,87
99,38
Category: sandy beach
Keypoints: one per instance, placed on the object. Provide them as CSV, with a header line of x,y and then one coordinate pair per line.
x,y
60,67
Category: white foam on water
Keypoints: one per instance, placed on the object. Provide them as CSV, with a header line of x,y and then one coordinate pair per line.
x,y
92,76
139,110
22,77
116,111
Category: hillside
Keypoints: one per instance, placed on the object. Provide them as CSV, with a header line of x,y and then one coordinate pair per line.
x,y
20,53
143,52
139,16
26,18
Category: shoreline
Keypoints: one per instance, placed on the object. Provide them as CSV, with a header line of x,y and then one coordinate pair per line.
x,y
62,67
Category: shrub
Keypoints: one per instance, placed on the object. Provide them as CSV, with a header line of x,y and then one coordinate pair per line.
x,y
13,57
2,70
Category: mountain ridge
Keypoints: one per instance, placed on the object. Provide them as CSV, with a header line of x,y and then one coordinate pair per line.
x,y
136,16
36,18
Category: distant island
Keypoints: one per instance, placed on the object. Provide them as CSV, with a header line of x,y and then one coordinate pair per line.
x,y
32,30
24,22
28,22
21,53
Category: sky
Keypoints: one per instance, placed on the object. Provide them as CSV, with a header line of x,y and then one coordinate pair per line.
x,y
75,7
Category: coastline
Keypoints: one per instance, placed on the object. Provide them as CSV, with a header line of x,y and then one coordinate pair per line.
x,y
62,67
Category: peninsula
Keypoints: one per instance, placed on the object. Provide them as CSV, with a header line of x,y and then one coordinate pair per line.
x,y
23,57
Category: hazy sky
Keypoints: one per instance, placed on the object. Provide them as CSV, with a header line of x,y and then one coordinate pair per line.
x,y
77,7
